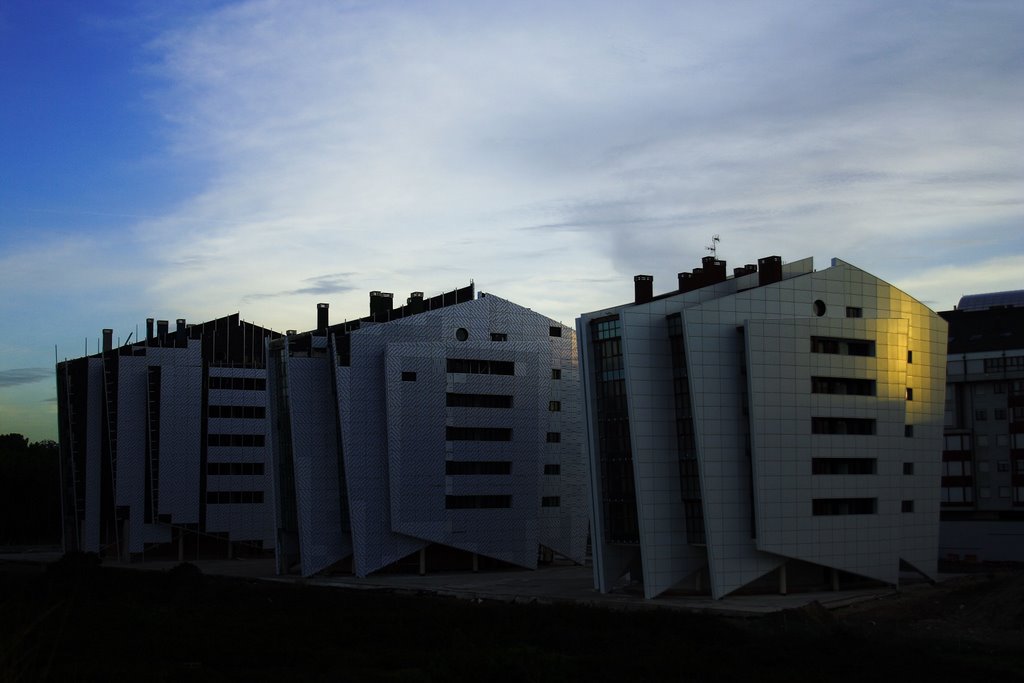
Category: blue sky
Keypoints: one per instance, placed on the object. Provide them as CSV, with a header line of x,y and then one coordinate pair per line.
x,y
199,158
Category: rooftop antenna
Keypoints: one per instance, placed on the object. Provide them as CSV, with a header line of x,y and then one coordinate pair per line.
x,y
713,247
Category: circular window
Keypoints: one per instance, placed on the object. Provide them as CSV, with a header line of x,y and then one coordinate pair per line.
x,y
819,308
461,334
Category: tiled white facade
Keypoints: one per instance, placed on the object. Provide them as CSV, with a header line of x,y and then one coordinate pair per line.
x,y
749,365
383,415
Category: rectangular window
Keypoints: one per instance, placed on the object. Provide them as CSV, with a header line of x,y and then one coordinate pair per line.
x,y
554,437
237,383
1003,466
907,506
477,502
408,376
240,412
843,506
243,440
457,467
554,406
233,497
555,331
980,415
910,394
235,468
999,414
844,465
499,336
854,312
476,366
556,373
908,430
908,468
552,469
478,434
843,385
910,356
842,425
478,401
550,502
843,347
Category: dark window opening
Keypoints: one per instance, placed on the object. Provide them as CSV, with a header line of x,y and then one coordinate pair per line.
x,y
819,308
555,331
235,468
499,336
844,465
854,312
556,373
554,437
408,376
555,406
907,506
908,430
229,497
458,467
843,385
478,433
842,425
552,469
462,334
910,356
843,347
843,506
908,468
241,412
474,366
477,502
550,501
244,440
910,394
238,383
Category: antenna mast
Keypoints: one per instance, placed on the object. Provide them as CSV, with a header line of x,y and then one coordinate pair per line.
x,y
713,247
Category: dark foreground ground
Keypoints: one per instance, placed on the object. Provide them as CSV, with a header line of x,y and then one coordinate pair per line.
x,y
74,620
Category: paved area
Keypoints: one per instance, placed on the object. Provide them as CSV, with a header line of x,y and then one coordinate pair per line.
x,y
548,585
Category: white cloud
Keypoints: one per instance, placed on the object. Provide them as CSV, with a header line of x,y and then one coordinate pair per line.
x,y
416,146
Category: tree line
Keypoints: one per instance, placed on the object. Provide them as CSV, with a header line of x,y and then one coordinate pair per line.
x,y
29,491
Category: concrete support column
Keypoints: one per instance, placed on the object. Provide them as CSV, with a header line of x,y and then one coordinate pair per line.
x,y
782,579
423,561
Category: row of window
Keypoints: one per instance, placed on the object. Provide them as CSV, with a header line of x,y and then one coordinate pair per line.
x,y
234,468
241,383
258,412
998,414
409,376
1011,363
843,347
472,502
225,497
478,433
843,385
478,400
459,467
247,440
842,425
843,506
478,366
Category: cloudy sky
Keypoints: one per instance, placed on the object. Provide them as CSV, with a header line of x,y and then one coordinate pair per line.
x,y
198,158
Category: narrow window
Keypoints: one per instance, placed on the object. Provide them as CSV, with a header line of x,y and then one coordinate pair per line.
x,y
555,406
910,356
556,373
408,376
554,437
908,430
552,469
499,336
908,468
907,506
910,394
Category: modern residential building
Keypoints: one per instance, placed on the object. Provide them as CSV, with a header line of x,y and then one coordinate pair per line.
x,y
163,442
445,432
441,433
775,426
983,458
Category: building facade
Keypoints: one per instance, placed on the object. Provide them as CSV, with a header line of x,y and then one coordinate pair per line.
x,y
445,432
163,442
983,456
779,424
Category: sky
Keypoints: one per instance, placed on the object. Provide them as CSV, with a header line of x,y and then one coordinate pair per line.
x,y
198,158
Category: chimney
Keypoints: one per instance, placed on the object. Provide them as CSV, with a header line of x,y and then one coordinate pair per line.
x,y
643,288
744,270
161,331
180,338
149,331
108,339
415,303
686,282
714,270
769,270
322,318
381,305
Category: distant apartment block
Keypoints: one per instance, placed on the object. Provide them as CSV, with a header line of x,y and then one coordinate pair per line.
x,y
442,433
775,426
983,456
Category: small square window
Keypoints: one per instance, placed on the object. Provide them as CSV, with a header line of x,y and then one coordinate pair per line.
x,y
907,506
556,373
980,415
908,430
555,331
908,468
499,336
910,394
854,312
408,376
550,501
552,469
1000,414
1003,466
555,406
554,437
